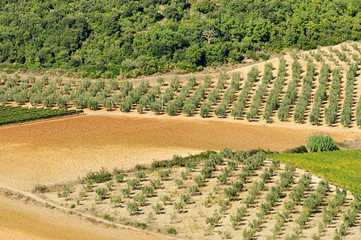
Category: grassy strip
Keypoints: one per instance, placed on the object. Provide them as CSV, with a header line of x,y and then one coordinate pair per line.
x,y
340,167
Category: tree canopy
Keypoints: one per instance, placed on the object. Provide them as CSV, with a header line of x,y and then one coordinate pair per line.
x,y
105,38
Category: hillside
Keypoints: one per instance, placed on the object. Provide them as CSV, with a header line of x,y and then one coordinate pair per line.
x,y
215,195
313,88
107,38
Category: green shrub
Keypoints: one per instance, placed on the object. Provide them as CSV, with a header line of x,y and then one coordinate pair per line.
x,y
119,177
155,183
158,208
199,180
238,217
143,226
40,188
133,183
99,177
214,220
140,198
126,192
108,217
141,175
172,231
193,190
101,192
132,207
178,206
116,199
231,193
319,143
300,149
148,190
164,174
165,199
179,182
65,192
185,198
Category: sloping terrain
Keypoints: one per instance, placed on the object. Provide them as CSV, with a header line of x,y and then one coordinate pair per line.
x,y
273,105
227,195
312,88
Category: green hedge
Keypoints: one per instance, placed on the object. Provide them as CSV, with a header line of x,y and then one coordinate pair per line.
x,y
320,143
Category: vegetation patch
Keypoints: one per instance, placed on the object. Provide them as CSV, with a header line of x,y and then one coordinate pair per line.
x,y
340,167
109,38
99,177
320,143
9,114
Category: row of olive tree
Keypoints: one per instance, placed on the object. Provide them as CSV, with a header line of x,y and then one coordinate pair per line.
x,y
193,102
179,100
228,96
273,100
349,219
320,94
271,198
306,93
260,93
158,105
330,212
296,195
133,96
331,110
238,108
291,93
346,113
213,95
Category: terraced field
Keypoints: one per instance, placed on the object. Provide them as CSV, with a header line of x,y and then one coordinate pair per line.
x,y
320,88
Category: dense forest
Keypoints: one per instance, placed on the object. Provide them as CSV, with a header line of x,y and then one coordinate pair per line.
x,y
106,38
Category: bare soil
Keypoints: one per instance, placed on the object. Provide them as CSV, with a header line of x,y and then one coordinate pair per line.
x,y
26,221
60,150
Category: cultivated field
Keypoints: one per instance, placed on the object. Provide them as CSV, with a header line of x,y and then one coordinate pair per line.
x,y
213,196
272,105
10,114
58,151
319,88
340,167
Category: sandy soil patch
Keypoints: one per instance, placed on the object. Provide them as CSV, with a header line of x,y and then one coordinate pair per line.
x,y
20,221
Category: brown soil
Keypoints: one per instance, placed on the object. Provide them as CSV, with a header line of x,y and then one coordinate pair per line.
x,y
61,150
